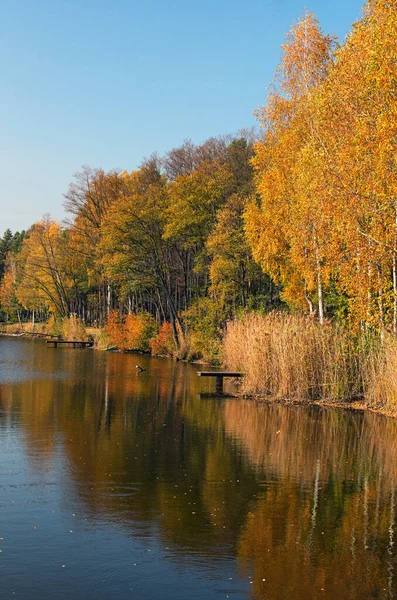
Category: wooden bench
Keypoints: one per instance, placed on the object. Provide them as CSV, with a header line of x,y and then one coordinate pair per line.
x,y
74,343
219,375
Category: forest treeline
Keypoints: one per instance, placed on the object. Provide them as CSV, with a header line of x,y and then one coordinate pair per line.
x,y
302,216
165,242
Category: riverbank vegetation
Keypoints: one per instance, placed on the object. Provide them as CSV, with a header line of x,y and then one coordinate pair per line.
x,y
211,238
292,357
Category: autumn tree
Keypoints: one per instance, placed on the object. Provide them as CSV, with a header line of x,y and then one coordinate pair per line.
x,y
43,260
286,228
136,254
8,287
359,129
88,201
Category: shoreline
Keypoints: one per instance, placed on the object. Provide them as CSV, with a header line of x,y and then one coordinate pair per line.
x,y
353,405
41,335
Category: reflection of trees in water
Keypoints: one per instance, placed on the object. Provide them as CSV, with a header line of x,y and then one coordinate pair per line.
x,y
337,563
330,525
144,450
106,410
304,496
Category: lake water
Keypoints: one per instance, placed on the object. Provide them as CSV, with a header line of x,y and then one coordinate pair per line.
x,y
115,485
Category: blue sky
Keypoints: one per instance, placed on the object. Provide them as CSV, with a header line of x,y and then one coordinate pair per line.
x,y
106,83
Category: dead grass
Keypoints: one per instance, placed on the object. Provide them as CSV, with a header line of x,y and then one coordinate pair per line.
x,y
17,329
293,357
380,374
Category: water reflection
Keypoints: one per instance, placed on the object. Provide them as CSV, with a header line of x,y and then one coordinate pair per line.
x,y
250,501
330,526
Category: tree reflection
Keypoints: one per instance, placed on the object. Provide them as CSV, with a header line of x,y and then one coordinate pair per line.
x,y
303,497
323,524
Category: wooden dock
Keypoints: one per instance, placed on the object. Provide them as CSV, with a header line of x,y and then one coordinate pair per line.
x,y
73,343
219,375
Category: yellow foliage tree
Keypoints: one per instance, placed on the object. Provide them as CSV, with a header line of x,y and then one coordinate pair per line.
x,y
44,269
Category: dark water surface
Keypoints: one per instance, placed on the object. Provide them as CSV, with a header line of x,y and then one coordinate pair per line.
x,y
115,485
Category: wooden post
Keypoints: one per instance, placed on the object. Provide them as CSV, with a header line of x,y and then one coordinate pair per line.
x,y
219,384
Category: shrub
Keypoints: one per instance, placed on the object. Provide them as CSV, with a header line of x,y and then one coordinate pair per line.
x,y
164,344
139,330
203,321
102,340
132,332
54,326
115,330
73,328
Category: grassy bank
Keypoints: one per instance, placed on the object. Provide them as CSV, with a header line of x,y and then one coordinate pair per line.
x,y
22,328
289,357
68,329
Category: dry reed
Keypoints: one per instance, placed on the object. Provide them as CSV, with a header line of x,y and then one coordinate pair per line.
x,y
293,357
379,373
73,328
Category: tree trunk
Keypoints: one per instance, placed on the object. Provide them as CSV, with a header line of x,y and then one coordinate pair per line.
x,y
380,303
108,299
369,296
394,293
319,284
310,303
395,274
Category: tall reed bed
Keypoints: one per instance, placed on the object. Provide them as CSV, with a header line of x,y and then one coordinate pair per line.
x,y
293,357
380,374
